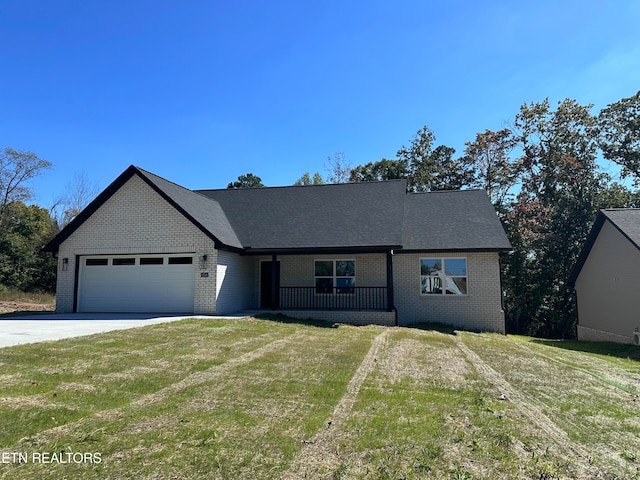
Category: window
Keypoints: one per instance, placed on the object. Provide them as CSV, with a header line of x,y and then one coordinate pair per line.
x,y
151,261
94,262
124,261
335,275
180,260
443,276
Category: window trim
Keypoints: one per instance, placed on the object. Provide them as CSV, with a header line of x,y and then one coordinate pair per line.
x,y
443,263
334,278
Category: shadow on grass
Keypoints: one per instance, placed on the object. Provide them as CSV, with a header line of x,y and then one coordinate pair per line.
x,y
435,327
25,313
620,350
280,318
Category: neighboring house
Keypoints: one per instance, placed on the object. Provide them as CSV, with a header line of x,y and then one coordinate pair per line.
x,y
359,253
606,278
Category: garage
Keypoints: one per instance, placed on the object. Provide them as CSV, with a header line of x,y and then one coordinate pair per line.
x,y
136,283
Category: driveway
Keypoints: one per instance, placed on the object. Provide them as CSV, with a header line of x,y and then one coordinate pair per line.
x,y
55,326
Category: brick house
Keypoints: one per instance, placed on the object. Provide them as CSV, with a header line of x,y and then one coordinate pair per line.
x,y
359,253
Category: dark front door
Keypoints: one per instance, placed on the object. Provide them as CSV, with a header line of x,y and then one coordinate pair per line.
x,y
266,284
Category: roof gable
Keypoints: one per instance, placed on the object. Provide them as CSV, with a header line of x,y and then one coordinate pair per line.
x,y
206,213
201,211
625,220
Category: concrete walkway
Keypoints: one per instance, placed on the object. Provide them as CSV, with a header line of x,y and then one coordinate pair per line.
x,y
55,326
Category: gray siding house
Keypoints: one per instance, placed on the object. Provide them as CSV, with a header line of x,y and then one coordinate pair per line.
x,y
606,278
359,253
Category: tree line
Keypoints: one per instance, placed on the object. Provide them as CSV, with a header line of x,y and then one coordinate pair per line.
x,y
26,228
546,175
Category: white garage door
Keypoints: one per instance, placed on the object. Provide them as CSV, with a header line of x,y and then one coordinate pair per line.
x,y
136,283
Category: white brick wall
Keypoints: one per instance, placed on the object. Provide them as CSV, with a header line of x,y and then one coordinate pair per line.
x,y
299,270
481,309
235,277
136,220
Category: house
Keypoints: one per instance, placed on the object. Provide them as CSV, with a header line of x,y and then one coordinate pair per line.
x,y
606,278
356,253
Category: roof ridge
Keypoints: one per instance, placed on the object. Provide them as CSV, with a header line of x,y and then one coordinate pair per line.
x,y
195,192
301,186
451,191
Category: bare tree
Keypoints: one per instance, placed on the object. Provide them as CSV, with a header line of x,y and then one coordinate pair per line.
x,y
339,170
79,192
16,169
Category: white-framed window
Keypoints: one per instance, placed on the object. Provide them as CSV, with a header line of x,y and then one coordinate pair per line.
x,y
335,276
443,276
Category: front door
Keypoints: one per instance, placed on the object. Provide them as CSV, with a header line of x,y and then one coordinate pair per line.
x,y
266,284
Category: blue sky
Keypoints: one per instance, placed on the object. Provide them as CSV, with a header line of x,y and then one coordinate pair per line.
x,y
200,92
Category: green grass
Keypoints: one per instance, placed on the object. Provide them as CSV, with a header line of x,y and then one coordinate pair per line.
x,y
256,398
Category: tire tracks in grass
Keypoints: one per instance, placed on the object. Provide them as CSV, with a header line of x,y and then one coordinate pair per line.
x,y
191,380
568,364
214,372
319,454
527,408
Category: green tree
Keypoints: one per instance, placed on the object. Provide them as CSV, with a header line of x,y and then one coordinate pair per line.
x,y
446,172
417,158
432,169
17,168
23,264
551,217
619,135
247,181
306,179
494,169
384,169
425,168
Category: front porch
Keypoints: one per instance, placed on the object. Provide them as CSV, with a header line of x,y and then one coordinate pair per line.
x,y
329,287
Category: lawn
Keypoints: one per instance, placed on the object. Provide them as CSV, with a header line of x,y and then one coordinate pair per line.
x,y
271,399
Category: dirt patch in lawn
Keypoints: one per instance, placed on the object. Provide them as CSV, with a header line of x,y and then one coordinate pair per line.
x,y
25,307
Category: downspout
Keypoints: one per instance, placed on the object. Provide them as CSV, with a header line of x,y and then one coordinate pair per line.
x,y
502,300
390,297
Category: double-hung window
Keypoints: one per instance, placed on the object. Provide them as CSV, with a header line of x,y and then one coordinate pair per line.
x,y
443,276
335,276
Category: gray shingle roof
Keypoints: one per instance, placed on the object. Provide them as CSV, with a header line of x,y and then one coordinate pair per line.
x,y
452,220
368,215
316,216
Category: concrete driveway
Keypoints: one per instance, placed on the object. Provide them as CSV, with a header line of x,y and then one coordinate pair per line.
x,y
55,326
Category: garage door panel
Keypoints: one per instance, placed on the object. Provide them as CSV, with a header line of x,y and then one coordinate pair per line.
x,y
141,287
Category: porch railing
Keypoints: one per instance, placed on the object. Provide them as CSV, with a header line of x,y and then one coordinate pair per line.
x,y
333,298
